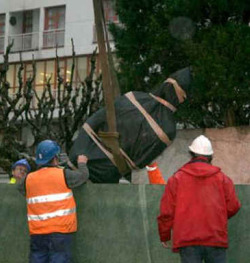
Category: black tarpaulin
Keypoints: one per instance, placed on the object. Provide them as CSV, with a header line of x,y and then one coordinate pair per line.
x,y
137,138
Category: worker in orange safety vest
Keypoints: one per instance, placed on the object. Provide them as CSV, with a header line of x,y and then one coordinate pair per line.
x,y
51,207
154,174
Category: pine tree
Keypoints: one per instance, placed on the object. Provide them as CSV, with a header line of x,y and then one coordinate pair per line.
x,y
157,37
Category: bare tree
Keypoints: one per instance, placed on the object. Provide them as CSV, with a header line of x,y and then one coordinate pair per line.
x,y
57,114
12,107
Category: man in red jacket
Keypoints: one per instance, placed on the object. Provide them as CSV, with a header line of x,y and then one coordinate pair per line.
x,y
197,202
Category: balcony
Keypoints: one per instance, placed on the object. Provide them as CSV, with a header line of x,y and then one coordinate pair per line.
x,y
53,38
24,42
1,44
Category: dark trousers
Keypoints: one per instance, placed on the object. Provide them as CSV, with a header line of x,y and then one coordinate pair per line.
x,y
50,248
196,254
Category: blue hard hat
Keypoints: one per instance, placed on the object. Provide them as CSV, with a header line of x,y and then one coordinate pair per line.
x,y
46,151
22,162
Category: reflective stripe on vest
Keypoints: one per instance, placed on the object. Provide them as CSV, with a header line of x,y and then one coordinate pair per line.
x,y
51,215
49,198
150,169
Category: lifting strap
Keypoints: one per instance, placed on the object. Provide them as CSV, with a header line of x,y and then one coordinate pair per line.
x,y
153,124
99,142
164,102
180,93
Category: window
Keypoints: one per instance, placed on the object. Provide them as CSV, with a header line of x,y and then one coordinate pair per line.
x,y
46,69
27,21
62,66
109,11
16,80
55,18
81,70
54,27
40,69
2,24
23,30
10,74
50,72
28,72
2,32
110,17
68,70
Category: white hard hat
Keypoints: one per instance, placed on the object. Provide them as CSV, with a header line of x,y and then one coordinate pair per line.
x,y
201,145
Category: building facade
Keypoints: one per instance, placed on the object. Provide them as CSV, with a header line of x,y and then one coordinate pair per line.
x,y
37,27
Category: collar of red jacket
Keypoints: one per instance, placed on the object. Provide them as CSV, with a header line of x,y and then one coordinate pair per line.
x,y
200,168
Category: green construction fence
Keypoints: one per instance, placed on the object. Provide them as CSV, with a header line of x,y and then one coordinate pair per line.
x,y
116,223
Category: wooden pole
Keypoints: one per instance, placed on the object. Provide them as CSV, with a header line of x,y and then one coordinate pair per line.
x,y
106,79
110,137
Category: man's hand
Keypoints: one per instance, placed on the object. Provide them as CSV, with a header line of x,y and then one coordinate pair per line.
x,y
82,159
167,244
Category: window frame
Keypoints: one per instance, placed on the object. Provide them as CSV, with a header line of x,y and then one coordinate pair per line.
x,y
109,12
27,17
2,29
55,17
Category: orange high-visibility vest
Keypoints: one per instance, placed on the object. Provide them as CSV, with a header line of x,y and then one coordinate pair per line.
x,y
51,206
154,174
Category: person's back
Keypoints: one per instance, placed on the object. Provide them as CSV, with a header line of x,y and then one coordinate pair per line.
x,y
203,203
51,205
196,204
51,208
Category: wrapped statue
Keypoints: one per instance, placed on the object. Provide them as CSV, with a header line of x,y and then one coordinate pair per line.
x,y
145,124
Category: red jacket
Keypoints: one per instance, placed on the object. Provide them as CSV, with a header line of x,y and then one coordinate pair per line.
x,y
196,204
